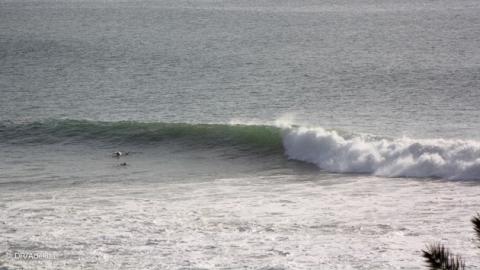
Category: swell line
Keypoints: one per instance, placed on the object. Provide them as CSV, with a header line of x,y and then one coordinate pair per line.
x,y
330,150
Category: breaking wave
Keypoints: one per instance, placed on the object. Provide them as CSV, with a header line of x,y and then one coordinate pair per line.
x,y
401,157
330,150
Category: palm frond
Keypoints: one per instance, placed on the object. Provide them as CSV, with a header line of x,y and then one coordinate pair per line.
x,y
476,225
439,257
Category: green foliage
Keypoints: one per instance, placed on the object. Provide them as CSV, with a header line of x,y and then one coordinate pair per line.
x,y
476,225
439,257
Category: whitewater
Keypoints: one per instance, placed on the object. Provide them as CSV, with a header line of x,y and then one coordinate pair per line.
x,y
402,157
262,134
330,150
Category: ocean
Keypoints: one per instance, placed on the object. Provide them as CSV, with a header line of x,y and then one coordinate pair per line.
x,y
254,134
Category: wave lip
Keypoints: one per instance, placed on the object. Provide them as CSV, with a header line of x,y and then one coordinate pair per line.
x,y
402,157
252,137
330,150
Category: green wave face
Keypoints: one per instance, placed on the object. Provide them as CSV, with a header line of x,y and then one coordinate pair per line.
x,y
58,131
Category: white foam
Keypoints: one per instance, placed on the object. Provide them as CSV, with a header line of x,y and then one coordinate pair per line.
x,y
402,157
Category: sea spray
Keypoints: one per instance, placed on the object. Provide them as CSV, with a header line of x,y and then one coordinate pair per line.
x,y
401,157
331,150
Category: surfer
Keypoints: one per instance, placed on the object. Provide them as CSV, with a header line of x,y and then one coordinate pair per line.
x,y
119,154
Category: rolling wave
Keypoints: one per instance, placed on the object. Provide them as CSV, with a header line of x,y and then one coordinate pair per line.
x,y
263,138
330,150
401,157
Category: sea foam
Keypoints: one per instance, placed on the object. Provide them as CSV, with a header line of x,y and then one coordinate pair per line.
x,y
402,157
330,150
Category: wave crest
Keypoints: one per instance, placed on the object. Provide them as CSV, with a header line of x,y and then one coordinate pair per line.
x,y
263,138
402,157
330,150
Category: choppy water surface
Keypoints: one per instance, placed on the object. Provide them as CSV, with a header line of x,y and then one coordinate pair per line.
x,y
261,134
